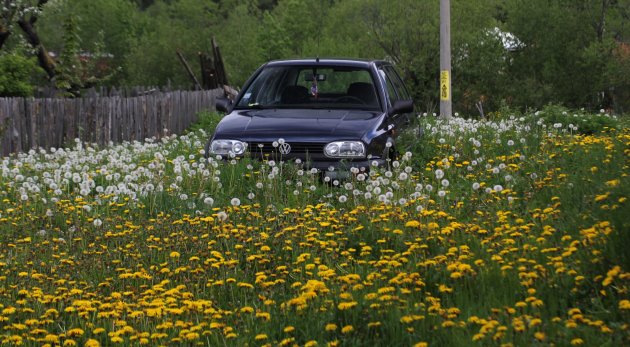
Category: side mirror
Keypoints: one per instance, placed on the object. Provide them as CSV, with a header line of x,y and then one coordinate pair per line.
x,y
223,104
401,106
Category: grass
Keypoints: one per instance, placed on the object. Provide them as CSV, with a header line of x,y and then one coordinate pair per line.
x,y
510,232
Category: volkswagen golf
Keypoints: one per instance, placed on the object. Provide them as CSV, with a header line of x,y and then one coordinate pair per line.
x,y
331,114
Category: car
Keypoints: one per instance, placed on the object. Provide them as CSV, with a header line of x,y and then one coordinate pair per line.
x,y
329,114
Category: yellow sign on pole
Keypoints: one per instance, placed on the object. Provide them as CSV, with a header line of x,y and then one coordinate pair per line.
x,y
445,85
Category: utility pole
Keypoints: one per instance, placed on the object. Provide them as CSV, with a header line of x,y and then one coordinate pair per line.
x,y
446,102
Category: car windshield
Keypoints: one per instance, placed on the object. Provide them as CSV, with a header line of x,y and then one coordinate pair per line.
x,y
311,87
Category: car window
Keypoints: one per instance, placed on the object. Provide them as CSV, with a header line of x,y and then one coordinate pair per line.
x,y
396,89
391,90
313,86
401,90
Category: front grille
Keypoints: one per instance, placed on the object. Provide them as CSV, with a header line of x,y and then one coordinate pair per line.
x,y
302,150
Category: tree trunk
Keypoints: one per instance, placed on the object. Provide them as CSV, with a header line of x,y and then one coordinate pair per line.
x,y
42,54
4,35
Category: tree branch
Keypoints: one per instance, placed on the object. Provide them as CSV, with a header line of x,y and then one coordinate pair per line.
x,y
42,54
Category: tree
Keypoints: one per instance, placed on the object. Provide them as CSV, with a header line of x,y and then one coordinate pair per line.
x,y
16,71
25,14
186,26
576,74
112,25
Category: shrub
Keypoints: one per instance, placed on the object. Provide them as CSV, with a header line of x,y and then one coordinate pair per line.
x,y
16,72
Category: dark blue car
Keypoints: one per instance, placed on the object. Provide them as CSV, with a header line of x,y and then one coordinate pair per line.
x,y
336,113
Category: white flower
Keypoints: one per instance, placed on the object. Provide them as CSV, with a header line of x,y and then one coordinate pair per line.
x,y
445,183
235,201
497,188
343,198
476,186
222,216
441,193
439,174
208,201
97,222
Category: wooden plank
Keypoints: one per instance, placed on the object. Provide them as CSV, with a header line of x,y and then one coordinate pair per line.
x,y
29,123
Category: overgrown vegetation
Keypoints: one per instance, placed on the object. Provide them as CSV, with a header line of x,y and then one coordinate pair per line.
x,y
495,43
511,231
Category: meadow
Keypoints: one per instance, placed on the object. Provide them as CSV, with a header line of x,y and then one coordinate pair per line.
x,y
511,231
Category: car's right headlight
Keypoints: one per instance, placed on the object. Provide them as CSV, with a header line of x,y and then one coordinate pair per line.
x,y
225,147
345,149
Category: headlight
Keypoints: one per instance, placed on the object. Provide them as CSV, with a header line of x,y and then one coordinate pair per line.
x,y
225,147
345,149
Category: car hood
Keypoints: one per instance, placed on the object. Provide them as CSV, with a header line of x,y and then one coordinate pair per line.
x,y
298,124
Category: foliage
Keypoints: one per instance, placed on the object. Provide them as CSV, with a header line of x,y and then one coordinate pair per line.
x,y
152,244
103,28
142,37
16,73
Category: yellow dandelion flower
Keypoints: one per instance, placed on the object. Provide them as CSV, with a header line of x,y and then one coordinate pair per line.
x,y
311,343
412,224
289,329
577,341
346,305
75,332
174,254
421,344
92,343
331,327
263,315
624,304
52,338
260,337
456,274
347,329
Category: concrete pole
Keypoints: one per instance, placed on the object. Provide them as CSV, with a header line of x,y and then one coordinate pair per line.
x,y
446,102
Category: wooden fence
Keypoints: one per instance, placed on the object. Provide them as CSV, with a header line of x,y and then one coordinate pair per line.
x,y
27,123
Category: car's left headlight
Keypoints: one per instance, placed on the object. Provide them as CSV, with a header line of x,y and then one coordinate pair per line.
x,y
225,147
345,149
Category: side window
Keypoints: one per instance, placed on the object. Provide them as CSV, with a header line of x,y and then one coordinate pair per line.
x,y
391,90
399,86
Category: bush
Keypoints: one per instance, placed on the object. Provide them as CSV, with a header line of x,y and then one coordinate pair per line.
x,y
16,72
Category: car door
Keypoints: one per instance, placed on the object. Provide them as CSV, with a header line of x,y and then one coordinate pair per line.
x,y
396,90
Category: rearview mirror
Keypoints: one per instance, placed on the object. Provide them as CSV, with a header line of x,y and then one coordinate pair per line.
x,y
401,106
223,104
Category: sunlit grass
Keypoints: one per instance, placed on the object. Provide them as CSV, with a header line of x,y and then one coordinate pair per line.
x,y
489,233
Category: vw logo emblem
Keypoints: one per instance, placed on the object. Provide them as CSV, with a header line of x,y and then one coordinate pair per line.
x,y
285,148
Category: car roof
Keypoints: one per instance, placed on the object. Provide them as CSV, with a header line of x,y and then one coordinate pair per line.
x,y
363,63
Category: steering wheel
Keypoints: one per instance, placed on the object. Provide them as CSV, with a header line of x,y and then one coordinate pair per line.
x,y
350,98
